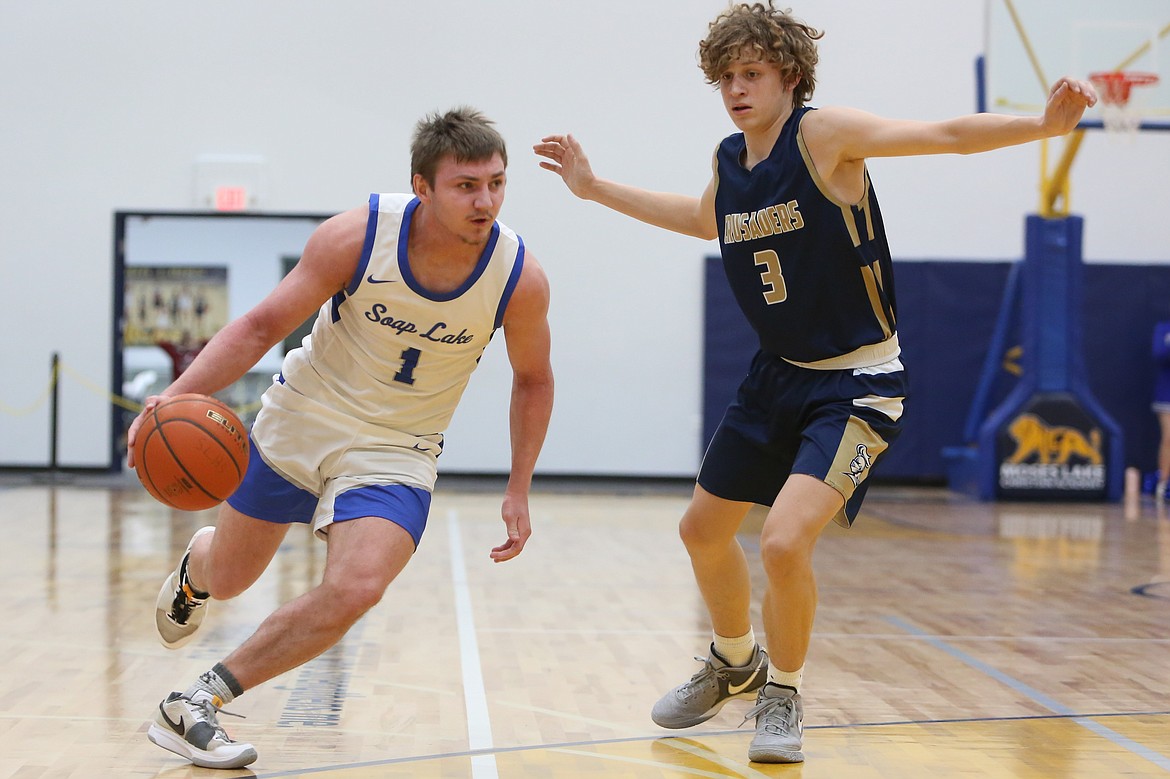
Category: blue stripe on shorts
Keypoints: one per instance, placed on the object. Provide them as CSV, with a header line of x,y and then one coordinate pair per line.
x,y
265,494
401,504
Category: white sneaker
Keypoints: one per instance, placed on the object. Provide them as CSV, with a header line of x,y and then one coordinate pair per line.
x,y
180,610
779,717
188,726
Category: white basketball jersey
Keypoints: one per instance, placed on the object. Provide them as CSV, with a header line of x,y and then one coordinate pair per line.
x,y
391,353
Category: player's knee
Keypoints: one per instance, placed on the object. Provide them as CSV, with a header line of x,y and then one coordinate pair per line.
x,y
698,535
782,553
350,599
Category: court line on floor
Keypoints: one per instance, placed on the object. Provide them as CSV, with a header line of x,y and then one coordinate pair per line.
x,y
709,755
479,727
569,745
638,761
851,636
1158,759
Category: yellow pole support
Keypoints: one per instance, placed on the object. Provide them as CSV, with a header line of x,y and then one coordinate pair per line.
x,y
1142,50
1056,186
1027,43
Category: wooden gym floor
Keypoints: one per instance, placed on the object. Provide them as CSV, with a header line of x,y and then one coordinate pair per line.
x,y
954,638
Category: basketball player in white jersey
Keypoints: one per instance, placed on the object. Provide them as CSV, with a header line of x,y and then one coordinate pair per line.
x,y
409,290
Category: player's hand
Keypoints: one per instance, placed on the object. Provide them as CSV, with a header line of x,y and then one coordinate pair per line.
x,y
516,520
147,406
567,160
1067,101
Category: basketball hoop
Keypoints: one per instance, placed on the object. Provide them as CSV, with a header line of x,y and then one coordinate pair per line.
x,y
1118,115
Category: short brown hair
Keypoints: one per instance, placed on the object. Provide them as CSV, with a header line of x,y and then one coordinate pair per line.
x,y
774,34
463,133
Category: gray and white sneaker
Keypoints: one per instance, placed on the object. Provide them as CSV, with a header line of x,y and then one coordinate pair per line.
x,y
187,725
779,726
699,699
180,609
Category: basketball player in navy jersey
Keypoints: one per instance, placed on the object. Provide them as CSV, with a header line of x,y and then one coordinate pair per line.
x,y
1161,406
805,253
410,289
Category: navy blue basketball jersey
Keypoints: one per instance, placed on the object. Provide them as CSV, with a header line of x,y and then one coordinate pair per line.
x,y
812,274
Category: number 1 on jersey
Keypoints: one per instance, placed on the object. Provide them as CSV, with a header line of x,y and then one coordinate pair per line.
x,y
774,289
409,363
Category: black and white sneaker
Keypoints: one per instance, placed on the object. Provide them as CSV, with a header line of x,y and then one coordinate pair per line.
x,y
188,726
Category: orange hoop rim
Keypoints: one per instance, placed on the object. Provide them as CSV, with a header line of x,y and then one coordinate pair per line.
x,y
1116,84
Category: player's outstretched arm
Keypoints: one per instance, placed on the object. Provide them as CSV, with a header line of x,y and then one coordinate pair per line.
x,y
528,340
845,134
678,213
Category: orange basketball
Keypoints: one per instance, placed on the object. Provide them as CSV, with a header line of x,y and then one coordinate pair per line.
x,y
191,452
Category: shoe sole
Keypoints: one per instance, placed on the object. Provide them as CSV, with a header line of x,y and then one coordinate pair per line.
x,y
777,756
711,712
171,742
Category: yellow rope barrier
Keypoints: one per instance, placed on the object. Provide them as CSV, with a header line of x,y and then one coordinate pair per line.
x,y
40,401
117,400
129,404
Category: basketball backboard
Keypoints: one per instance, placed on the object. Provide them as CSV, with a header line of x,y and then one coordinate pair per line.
x,y
1031,43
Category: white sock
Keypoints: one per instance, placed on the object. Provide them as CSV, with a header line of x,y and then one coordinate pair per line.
x,y
220,682
786,678
736,651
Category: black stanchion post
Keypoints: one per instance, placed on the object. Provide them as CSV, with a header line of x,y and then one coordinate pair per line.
x,y
53,386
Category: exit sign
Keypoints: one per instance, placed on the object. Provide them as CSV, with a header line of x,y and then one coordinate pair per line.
x,y
231,198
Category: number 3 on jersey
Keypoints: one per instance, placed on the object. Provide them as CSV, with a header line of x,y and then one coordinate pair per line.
x,y
409,363
774,289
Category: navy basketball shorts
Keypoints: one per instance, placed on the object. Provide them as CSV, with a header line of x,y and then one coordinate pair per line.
x,y
1161,404
832,425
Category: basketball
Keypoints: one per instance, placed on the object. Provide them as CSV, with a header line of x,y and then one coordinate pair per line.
x,y
191,452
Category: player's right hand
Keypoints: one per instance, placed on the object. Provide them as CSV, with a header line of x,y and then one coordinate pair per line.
x,y
147,406
568,161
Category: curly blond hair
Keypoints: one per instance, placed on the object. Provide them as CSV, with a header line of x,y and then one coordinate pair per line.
x,y
773,34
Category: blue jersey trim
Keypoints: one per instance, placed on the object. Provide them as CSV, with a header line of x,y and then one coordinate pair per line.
x,y
412,282
335,306
510,287
367,246
404,243
363,261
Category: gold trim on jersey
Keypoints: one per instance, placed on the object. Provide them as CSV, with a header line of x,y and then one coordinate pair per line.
x,y
862,357
846,208
865,209
715,174
860,447
871,275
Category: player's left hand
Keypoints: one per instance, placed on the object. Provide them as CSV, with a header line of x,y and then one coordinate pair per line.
x,y
515,514
1067,101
